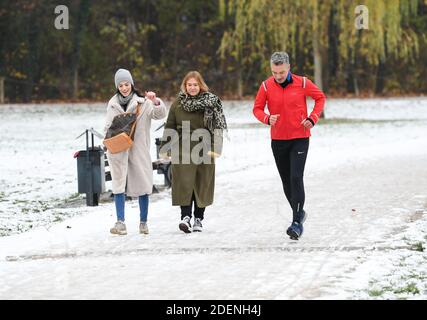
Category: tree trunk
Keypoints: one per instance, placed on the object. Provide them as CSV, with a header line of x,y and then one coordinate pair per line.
x,y
356,86
317,61
155,39
83,15
317,64
333,54
76,83
355,63
1,90
31,63
316,48
239,83
380,76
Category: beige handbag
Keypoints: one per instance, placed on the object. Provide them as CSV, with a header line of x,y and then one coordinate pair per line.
x,y
120,135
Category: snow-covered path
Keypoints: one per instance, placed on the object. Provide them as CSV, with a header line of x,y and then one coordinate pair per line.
x,y
365,179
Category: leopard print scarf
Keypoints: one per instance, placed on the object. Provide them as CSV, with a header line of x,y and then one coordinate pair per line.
x,y
208,103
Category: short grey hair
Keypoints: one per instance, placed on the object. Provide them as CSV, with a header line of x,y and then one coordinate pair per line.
x,y
279,58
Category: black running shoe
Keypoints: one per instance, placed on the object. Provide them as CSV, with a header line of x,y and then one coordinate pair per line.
x,y
295,230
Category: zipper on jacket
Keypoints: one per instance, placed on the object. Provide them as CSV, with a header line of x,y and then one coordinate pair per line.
x,y
284,108
302,119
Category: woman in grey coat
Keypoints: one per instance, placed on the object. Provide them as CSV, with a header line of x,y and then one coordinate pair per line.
x,y
132,170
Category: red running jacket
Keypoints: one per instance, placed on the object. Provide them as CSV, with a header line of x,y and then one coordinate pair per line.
x,y
290,103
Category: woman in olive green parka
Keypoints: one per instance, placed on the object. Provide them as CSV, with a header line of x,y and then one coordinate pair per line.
x,y
197,120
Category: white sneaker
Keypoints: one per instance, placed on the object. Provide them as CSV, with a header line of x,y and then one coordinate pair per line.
x,y
119,228
143,228
197,226
185,225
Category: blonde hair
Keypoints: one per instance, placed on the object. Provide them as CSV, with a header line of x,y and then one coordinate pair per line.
x,y
196,75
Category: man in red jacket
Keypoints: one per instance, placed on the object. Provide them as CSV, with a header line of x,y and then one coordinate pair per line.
x,y
285,96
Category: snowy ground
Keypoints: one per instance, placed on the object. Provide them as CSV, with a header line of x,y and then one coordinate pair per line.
x,y
365,236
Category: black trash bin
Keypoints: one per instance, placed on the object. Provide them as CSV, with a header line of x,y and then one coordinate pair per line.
x,y
163,166
91,171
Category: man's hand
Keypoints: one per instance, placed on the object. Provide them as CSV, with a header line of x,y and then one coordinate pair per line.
x,y
273,119
307,123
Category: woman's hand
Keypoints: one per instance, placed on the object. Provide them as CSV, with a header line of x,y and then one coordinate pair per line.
x,y
164,156
213,154
152,96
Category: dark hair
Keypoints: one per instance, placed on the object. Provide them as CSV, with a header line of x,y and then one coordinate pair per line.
x,y
133,90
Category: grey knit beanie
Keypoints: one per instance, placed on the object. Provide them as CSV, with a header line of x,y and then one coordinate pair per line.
x,y
122,75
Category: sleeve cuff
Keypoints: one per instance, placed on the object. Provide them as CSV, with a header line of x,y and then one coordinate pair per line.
x,y
311,120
